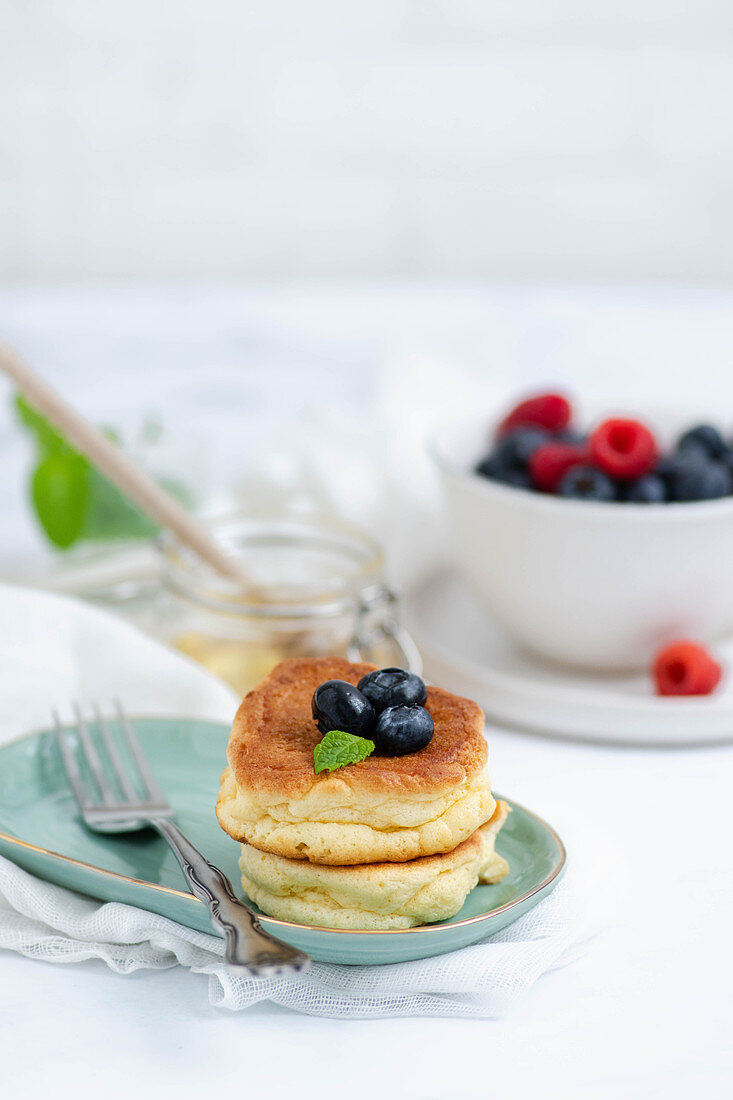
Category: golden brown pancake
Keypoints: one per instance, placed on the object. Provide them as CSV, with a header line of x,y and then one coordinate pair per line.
x,y
383,809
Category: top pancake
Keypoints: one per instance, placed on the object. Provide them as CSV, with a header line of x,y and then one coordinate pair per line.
x,y
274,734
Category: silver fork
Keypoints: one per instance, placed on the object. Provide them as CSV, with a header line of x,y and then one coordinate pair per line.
x,y
108,810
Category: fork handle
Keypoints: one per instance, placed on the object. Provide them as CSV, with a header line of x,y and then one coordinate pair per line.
x,y
248,946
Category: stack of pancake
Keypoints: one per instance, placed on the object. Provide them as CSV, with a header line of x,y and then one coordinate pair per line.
x,y
388,843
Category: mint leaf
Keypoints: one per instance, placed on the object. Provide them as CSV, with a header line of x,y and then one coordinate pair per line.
x,y
337,749
60,491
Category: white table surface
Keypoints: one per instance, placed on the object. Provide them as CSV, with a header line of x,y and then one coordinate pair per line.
x,y
647,1011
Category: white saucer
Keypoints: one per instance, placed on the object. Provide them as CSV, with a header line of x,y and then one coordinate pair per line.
x,y
466,652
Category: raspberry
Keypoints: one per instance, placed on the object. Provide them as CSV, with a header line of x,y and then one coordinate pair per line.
x,y
623,448
685,668
550,462
547,410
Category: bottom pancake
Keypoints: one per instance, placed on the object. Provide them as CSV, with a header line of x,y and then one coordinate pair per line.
x,y
374,895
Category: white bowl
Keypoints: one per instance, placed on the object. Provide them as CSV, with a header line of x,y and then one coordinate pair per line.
x,y
596,586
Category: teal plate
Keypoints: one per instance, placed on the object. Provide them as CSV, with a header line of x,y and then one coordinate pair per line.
x,y
41,831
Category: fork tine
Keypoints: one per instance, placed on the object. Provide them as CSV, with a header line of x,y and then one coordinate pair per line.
x,y
95,764
146,774
120,770
71,766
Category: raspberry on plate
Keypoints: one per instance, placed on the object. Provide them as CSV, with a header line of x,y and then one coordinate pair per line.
x,y
623,449
685,668
546,410
549,463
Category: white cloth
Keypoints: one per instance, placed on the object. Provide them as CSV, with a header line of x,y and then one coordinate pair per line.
x,y
46,922
61,649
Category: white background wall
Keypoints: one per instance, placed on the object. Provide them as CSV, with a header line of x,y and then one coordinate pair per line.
x,y
372,138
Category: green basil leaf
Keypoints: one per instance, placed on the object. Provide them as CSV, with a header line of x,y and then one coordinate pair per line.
x,y
60,492
72,499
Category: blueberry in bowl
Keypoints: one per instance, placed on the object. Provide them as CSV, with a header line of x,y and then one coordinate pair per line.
x,y
514,450
520,479
694,478
587,483
492,467
704,438
509,459
650,489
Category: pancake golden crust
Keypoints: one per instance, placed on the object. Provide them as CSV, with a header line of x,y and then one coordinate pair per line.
x,y
273,737
377,895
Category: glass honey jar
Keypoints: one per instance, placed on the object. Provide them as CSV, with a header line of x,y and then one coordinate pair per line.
x,y
316,587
